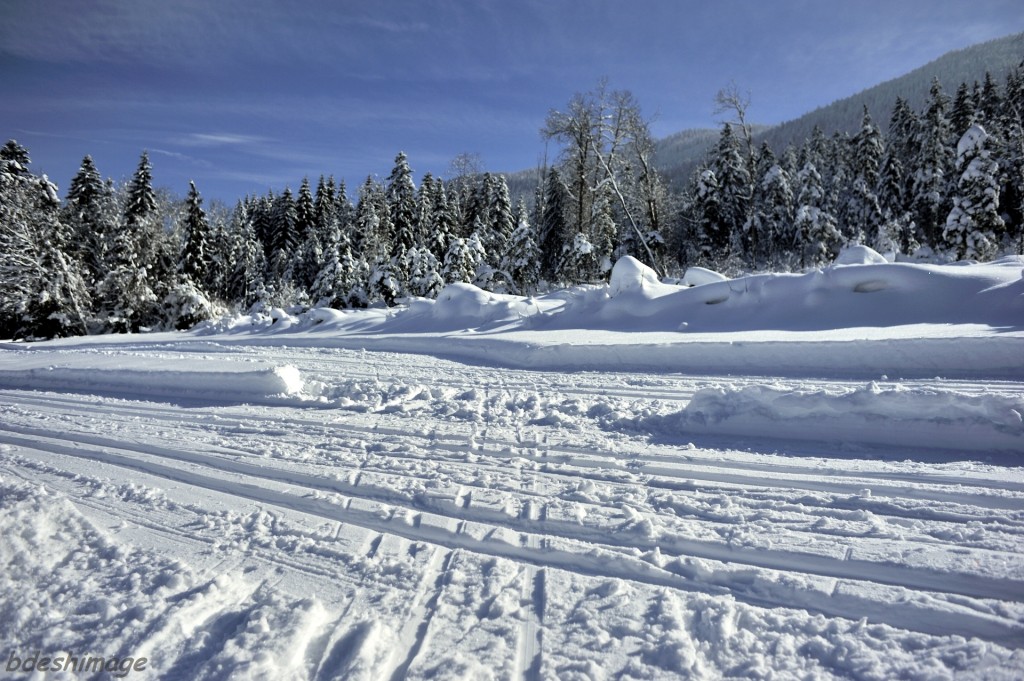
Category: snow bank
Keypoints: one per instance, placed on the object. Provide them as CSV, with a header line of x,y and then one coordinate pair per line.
x,y
179,380
872,415
842,296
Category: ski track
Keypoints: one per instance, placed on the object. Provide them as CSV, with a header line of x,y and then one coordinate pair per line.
x,y
389,517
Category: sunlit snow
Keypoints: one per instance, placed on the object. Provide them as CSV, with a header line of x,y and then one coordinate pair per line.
x,y
776,476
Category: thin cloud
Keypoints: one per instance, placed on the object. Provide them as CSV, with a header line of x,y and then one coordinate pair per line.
x,y
219,139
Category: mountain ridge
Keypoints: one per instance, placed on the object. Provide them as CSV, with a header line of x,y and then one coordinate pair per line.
x,y
677,161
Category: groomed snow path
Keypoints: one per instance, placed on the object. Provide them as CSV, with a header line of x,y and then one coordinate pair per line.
x,y
236,511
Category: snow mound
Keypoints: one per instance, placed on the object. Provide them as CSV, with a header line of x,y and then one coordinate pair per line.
x,y
871,415
462,306
180,381
859,255
698,276
629,274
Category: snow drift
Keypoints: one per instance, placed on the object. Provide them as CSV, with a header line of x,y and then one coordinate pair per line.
x,y
183,381
872,415
878,294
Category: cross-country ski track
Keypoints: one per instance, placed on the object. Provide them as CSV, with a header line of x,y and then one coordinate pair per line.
x,y
431,519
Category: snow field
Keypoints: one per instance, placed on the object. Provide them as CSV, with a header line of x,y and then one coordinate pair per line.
x,y
510,524
266,498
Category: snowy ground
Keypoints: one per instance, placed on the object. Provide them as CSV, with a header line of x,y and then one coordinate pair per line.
x,y
636,481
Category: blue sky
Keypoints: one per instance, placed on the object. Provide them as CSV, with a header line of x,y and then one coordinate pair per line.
x,y
247,95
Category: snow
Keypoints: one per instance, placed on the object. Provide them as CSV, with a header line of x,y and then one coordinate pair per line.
x,y
859,255
777,476
972,141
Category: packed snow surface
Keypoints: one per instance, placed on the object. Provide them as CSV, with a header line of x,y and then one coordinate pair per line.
x,y
777,476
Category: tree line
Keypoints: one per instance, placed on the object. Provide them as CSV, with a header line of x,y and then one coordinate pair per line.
x,y
944,183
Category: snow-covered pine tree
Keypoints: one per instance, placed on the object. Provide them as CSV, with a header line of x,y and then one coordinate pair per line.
x,y
862,213
579,260
459,264
42,291
425,210
990,107
734,190
963,114
499,223
305,211
425,278
521,261
127,302
192,261
401,200
484,274
384,283
140,204
244,283
284,241
816,237
443,225
126,296
325,204
710,228
974,228
776,238
933,167
554,230
308,258
901,143
88,213
368,241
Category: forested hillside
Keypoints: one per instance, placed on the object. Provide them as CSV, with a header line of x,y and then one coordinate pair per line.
x,y
969,66
939,181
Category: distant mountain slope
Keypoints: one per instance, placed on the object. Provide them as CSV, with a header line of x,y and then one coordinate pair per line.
x,y
961,66
680,153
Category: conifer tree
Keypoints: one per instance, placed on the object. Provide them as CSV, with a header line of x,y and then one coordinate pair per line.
x,y
733,188
963,114
974,227
933,167
401,201
444,221
88,213
305,211
499,218
244,283
554,231
192,262
42,291
521,260
863,213
284,240
710,228
459,263
140,205
425,278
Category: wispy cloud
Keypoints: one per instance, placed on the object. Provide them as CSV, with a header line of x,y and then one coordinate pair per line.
x,y
182,157
220,139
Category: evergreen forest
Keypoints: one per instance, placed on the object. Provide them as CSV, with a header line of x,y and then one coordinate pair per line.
x,y
944,183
